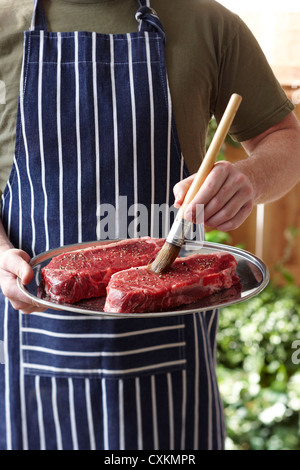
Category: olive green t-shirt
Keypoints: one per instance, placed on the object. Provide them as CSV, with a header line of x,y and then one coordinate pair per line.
x,y
210,53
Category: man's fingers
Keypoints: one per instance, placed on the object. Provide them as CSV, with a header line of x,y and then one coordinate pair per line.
x,y
16,262
226,194
233,222
211,186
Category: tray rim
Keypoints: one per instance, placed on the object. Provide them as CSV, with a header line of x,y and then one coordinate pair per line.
x,y
193,245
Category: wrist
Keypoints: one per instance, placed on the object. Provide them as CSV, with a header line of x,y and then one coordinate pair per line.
x,y
245,167
5,243
4,246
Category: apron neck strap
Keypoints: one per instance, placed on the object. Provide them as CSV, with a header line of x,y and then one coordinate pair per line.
x,y
148,19
38,21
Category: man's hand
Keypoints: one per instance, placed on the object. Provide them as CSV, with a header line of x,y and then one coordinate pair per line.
x,y
15,263
227,195
231,190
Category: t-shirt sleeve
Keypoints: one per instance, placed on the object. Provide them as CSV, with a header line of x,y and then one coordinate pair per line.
x,y
244,69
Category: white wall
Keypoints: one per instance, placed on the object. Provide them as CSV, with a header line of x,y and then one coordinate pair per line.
x,y
276,25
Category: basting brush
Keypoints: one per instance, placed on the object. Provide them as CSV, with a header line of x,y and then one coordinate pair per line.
x,y
180,226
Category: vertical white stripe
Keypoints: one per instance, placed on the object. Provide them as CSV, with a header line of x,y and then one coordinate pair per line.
x,y
181,167
41,140
121,416
72,414
219,424
22,384
77,104
22,388
134,133
211,320
171,411
207,367
59,142
154,414
260,223
96,123
7,382
59,445
105,418
168,158
183,410
150,84
2,205
32,25
139,414
27,157
90,414
20,204
9,209
115,126
40,413
196,404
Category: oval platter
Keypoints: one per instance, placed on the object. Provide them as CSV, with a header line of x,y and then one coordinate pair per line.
x,y
253,273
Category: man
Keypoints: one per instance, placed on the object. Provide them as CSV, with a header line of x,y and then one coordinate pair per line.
x,y
74,109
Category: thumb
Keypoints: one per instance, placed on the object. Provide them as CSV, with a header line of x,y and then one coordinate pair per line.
x,y
25,271
180,189
16,262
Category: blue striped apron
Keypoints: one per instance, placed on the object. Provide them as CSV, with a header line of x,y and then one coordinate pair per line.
x,y
95,127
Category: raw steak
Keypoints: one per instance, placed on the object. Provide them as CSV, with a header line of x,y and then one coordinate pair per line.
x,y
85,273
186,281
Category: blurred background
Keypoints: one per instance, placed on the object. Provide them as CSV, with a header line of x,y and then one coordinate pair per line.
x,y
259,340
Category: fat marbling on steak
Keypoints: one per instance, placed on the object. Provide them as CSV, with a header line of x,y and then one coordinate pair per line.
x,y
84,273
186,281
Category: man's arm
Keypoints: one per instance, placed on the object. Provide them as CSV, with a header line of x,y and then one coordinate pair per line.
x,y
273,166
231,190
5,244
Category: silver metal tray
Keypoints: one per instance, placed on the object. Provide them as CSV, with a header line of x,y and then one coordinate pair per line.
x,y
253,273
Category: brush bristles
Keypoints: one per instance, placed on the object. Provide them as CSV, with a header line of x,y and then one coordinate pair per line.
x,y
165,258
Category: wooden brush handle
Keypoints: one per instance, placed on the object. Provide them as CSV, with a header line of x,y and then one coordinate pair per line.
x,y
213,151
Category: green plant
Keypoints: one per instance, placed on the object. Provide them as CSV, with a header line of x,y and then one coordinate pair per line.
x,y
290,235
259,381
217,236
258,368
